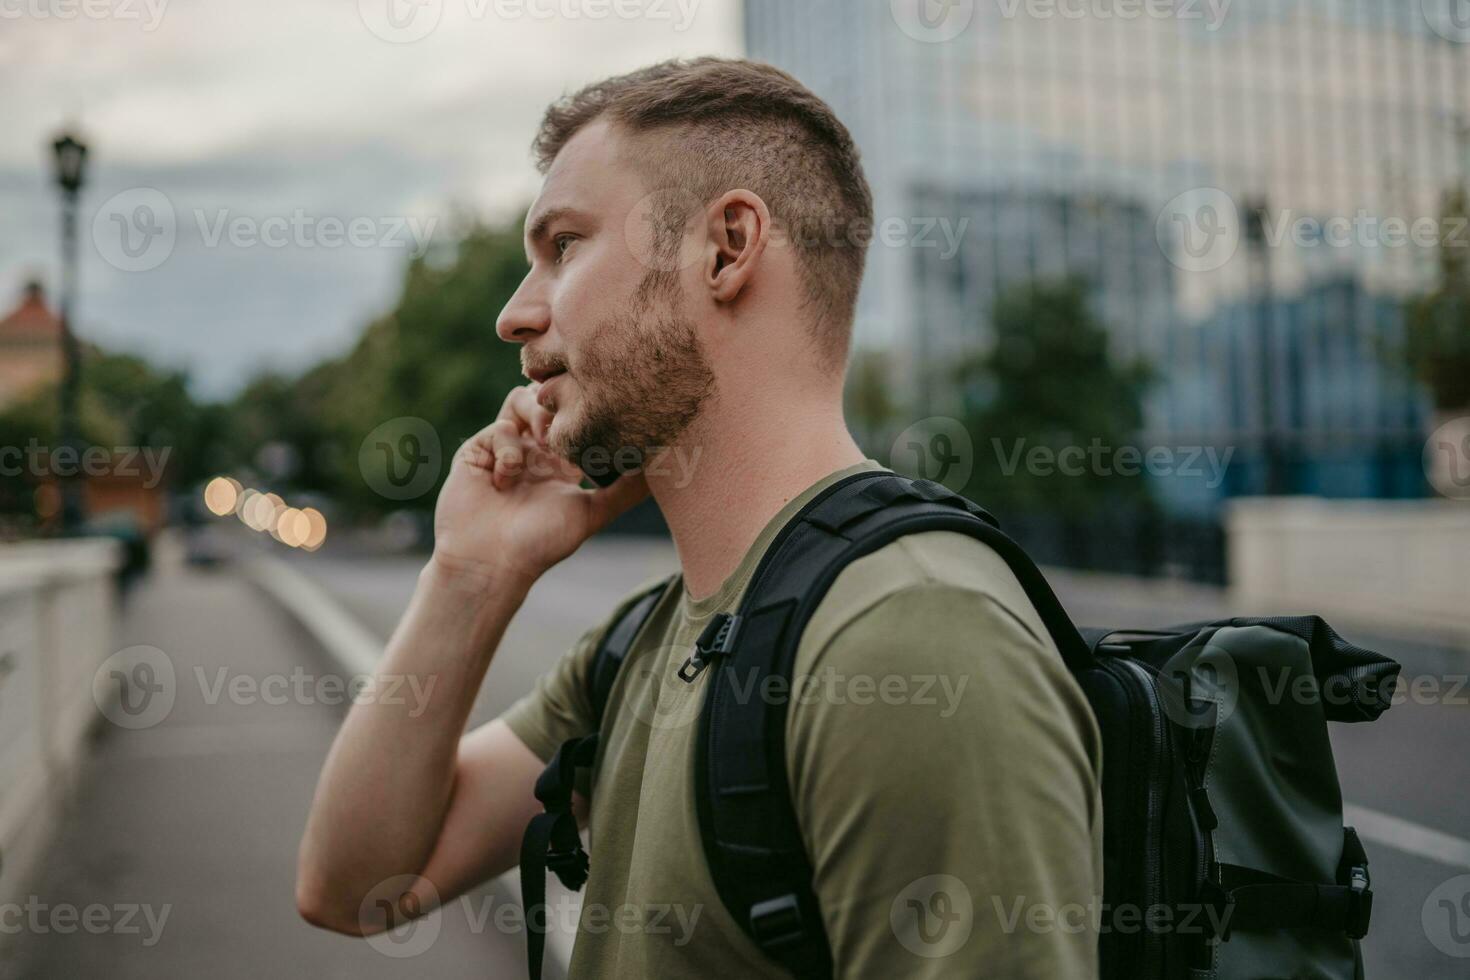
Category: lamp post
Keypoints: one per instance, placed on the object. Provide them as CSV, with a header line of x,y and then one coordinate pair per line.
x,y
71,162
1272,481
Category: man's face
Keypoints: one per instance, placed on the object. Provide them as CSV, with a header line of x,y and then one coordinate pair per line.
x,y
602,323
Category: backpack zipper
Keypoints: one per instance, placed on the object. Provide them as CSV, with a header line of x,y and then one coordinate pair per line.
x,y
1154,808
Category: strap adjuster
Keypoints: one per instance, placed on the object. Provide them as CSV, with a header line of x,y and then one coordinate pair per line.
x,y
570,866
1359,902
777,922
717,640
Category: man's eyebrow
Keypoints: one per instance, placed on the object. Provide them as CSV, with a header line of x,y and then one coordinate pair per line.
x,y
543,223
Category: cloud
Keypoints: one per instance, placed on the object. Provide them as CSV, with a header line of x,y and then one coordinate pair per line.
x,y
273,109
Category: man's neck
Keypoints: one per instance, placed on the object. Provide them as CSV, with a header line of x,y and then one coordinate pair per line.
x,y
732,471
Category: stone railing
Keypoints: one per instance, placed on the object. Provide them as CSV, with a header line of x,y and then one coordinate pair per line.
x,y
1388,563
58,602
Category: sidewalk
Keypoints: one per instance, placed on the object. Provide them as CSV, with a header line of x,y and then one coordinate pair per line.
x,y
176,857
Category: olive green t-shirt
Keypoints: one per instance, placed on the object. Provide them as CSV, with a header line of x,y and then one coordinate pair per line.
x,y
943,764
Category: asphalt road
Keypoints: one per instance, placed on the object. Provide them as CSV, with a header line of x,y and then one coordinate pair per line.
x,y
1408,772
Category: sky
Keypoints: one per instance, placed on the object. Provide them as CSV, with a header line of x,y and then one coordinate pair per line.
x,y
261,172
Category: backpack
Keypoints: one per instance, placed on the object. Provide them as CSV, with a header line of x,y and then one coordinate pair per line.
x,y
1224,851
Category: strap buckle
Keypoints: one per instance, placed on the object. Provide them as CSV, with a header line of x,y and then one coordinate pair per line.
x,y
1359,902
717,640
777,922
570,866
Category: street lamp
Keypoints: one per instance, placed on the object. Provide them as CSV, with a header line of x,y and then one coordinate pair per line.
x,y
70,156
1262,297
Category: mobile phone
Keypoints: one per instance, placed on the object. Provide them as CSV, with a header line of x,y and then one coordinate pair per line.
x,y
604,468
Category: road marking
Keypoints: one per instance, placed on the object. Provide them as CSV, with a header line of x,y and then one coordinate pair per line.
x,y
1404,835
351,644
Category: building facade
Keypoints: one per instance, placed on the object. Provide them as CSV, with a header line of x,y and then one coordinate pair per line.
x,y
1252,189
30,346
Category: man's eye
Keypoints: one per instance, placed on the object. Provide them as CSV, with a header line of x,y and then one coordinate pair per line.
x,y
561,243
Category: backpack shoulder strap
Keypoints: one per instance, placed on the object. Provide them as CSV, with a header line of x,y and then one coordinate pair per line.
x,y
550,842
747,820
616,641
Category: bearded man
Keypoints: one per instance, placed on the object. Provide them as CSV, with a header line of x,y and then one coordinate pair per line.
x,y
695,256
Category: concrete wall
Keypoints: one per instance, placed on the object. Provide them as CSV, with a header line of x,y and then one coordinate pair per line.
x,y
1381,563
57,615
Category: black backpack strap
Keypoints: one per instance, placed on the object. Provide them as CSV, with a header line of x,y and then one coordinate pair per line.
x,y
551,842
747,820
1251,900
615,644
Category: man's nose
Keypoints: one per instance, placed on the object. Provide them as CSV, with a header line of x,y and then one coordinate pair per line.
x,y
525,317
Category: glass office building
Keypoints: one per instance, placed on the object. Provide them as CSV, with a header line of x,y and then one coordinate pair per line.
x,y
1252,189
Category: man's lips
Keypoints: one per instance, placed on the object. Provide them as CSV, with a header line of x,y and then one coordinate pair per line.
x,y
541,375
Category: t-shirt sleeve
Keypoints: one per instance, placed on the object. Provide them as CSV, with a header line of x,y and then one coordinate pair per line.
x,y
944,767
559,707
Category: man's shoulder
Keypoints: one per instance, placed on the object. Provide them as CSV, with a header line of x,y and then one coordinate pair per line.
x,y
918,575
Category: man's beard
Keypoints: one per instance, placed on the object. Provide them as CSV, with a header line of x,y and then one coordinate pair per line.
x,y
643,376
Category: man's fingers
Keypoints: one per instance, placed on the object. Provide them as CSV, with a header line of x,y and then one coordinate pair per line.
x,y
609,502
505,443
477,450
521,408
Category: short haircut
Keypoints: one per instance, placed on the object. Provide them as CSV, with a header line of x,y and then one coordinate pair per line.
x,y
734,123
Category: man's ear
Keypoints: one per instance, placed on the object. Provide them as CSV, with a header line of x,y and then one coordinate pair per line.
x,y
739,230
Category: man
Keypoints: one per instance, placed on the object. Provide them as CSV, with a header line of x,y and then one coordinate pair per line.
x,y
695,253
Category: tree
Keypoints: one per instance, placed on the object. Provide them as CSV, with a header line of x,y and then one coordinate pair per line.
x,y
1438,322
124,403
435,356
1047,385
870,409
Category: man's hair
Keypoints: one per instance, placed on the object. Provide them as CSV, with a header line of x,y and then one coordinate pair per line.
x,y
717,124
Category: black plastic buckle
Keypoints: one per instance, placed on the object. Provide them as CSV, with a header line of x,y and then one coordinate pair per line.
x,y
571,867
777,922
1360,902
717,640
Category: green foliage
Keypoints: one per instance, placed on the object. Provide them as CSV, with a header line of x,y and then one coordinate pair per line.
x,y
869,407
123,402
1049,383
1438,322
435,356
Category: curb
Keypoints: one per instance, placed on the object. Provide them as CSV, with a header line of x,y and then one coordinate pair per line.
x,y
355,650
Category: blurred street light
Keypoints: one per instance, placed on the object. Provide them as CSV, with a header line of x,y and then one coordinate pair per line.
x,y
1257,218
71,164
